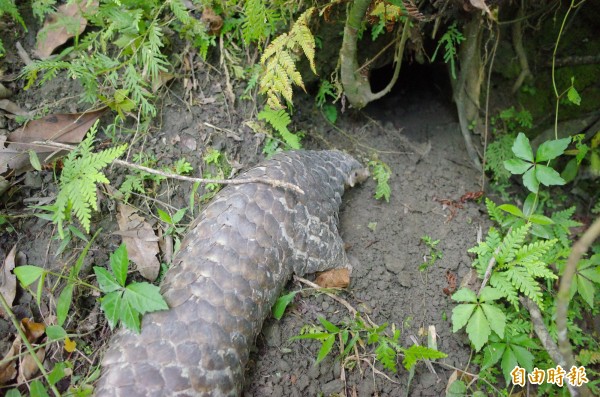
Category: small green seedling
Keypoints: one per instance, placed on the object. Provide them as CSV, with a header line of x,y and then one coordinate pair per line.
x,y
434,254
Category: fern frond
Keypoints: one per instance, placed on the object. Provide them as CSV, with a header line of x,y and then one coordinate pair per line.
x,y
386,355
81,172
279,120
306,40
500,281
279,67
526,284
511,243
540,269
493,211
534,252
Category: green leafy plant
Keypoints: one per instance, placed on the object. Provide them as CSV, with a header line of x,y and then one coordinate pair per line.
x,y
279,65
450,40
82,170
124,302
480,314
279,120
381,173
120,61
9,7
358,332
434,253
173,227
533,171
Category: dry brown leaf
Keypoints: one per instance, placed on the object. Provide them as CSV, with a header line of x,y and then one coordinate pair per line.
x,y
141,241
55,32
13,108
32,329
8,371
334,278
63,128
8,281
28,368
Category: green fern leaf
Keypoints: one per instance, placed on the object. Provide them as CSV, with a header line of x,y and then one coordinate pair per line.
x,y
500,281
493,211
526,284
279,120
81,172
534,252
511,243
386,355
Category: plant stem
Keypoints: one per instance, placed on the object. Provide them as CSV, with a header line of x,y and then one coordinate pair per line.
x,y
30,348
563,296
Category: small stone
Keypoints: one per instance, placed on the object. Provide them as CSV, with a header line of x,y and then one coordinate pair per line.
x,y
335,386
393,264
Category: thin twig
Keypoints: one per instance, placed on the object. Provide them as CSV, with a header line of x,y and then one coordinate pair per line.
x,y
23,54
273,182
563,296
344,302
540,329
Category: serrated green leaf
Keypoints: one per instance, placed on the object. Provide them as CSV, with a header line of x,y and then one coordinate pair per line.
x,y
478,329
27,274
64,303
511,209
523,356
492,354
586,289
496,318
574,96
530,181
144,297
548,176
119,262
282,303
178,216
129,316
551,149
55,332
517,166
489,294
111,306
164,216
325,348
106,281
464,295
461,315
508,363
329,326
522,149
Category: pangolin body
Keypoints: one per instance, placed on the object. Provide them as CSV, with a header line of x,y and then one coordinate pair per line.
x,y
231,268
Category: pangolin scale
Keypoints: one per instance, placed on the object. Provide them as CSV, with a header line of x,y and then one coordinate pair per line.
x,y
231,268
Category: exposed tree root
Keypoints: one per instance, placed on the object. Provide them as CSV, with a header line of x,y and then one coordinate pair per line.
x,y
357,87
517,39
468,87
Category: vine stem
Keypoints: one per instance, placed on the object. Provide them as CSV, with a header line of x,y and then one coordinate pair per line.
x,y
273,182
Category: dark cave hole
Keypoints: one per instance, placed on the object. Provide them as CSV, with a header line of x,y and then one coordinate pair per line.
x,y
429,79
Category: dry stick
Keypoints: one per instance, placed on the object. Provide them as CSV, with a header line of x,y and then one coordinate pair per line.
x,y
344,302
268,181
540,329
562,298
